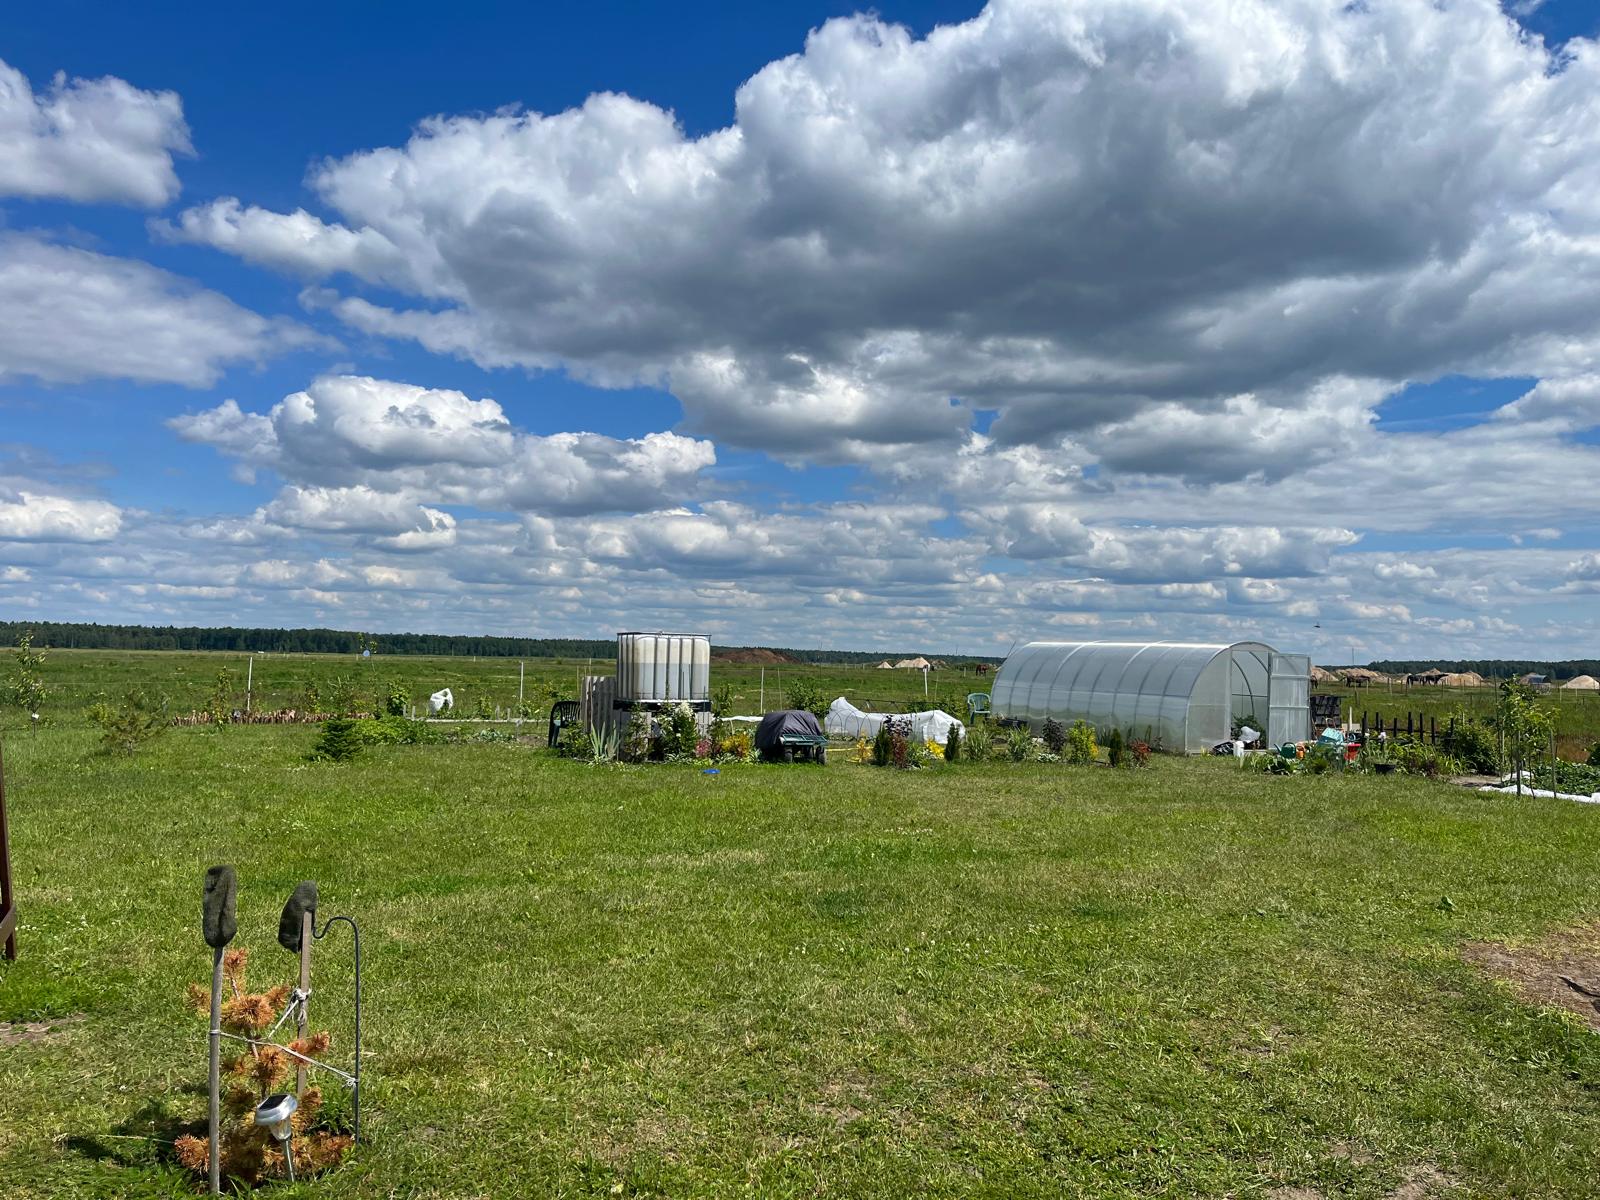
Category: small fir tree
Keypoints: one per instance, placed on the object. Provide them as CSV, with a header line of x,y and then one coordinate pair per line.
x,y
340,741
1054,735
247,1151
1116,749
952,745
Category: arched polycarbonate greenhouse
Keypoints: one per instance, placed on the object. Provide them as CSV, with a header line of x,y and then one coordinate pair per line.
x,y
1180,696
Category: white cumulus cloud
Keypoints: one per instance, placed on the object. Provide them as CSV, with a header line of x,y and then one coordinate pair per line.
x,y
368,454
89,140
73,314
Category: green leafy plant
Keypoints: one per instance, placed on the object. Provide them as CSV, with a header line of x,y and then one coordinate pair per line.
x,y
1081,748
1416,757
1054,735
978,745
221,703
1594,755
396,699
1579,779
1019,744
125,727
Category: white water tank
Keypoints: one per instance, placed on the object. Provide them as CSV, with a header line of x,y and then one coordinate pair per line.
x,y
660,668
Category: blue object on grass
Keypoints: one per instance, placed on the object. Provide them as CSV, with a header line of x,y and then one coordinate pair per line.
x,y
711,771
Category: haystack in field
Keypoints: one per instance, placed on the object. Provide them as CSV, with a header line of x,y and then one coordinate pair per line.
x,y
1583,683
1462,679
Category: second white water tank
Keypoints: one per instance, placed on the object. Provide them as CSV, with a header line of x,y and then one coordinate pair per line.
x,y
657,668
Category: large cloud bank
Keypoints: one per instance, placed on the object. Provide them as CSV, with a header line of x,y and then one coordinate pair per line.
x,y
1072,214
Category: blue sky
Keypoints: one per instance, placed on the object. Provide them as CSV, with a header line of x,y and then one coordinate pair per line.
x,y
939,326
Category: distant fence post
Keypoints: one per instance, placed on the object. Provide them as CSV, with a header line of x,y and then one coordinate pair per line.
x,y
8,904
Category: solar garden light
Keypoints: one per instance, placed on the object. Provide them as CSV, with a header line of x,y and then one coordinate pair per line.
x,y
273,1115
297,931
219,922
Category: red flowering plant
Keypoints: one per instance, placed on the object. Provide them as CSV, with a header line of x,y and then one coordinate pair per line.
x,y
249,1154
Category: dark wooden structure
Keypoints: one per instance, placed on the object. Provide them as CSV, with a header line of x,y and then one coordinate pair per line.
x,y
8,903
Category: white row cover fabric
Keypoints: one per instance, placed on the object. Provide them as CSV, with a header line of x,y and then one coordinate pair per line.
x,y
846,719
440,700
1183,696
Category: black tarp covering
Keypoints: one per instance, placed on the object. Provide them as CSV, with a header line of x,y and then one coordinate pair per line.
x,y
791,722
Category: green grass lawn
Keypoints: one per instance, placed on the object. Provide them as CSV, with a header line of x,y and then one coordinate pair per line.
x,y
997,980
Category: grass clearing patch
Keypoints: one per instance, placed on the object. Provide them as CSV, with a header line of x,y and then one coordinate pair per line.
x,y
1019,980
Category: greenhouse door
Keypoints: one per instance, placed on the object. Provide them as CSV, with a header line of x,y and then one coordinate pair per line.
x,y
1289,699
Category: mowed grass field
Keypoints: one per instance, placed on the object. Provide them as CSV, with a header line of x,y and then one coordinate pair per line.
x,y
991,980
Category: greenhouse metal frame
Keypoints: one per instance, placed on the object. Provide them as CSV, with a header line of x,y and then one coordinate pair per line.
x,y
1181,696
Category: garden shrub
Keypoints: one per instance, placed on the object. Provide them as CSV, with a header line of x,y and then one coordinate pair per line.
x,y
1418,758
806,696
1594,755
1139,753
904,750
678,732
1054,735
1473,744
1080,747
1116,749
396,699
952,745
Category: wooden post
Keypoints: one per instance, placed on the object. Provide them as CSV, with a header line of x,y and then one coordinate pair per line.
x,y
305,1000
8,904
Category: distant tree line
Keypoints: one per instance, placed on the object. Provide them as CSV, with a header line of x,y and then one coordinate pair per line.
x,y
1492,668
73,635
83,636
